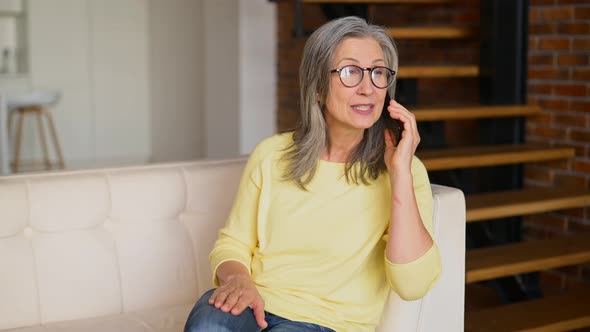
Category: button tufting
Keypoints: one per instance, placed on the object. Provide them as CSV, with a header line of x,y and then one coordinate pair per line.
x,y
108,225
28,231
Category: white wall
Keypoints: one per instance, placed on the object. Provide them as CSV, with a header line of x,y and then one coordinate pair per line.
x,y
120,80
222,78
258,72
176,33
59,57
240,75
138,82
213,70
95,53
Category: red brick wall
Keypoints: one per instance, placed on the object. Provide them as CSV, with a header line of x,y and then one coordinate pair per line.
x,y
559,82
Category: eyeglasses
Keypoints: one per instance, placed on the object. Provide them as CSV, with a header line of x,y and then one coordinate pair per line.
x,y
352,75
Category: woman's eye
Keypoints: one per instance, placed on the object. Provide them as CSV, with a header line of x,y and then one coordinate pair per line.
x,y
350,71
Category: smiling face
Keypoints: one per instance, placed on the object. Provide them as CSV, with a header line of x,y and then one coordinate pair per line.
x,y
359,107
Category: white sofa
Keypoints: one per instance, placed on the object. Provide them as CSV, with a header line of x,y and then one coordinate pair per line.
x,y
127,249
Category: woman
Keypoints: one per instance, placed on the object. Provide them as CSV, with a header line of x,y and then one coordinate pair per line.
x,y
331,217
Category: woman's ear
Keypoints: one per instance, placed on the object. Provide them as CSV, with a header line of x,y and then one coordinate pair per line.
x,y
318,101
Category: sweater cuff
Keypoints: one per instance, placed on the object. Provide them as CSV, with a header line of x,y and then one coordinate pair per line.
x,y
411,281
217,258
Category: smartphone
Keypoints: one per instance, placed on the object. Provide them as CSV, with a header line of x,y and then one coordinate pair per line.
x,y
394,126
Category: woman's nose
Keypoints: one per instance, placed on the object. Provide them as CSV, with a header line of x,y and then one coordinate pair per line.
x,y
366,86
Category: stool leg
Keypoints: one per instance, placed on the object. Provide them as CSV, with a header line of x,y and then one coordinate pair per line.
x,y
10,124
19,139
60,156
42,138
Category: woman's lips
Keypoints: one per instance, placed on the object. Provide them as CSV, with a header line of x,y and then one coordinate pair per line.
x,y
363,109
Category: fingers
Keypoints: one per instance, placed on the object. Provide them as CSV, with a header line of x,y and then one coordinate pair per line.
x,y
235,301
408,119
231,301
258,309
401,156
225,299
398,108
218,298
242,304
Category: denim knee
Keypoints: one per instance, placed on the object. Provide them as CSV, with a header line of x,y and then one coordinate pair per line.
x,y
205,317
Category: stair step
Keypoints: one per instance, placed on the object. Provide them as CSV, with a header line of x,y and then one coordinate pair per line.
x,y
429,32
556,313
477,156
474,112
494,205
437,71
378,1
528,256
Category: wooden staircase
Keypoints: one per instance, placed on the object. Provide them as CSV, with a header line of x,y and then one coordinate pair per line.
x,y
378,1
439,32
494,205
556,313
566,312
479,156
437,71
474,112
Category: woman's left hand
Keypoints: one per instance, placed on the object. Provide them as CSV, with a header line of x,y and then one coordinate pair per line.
x,y
400,158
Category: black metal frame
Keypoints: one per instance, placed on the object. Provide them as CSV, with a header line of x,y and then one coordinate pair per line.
x,y
299,33
503,67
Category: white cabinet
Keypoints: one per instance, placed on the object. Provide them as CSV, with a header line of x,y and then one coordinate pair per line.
x,y
95,52
12,38
11,6
120,80
59,58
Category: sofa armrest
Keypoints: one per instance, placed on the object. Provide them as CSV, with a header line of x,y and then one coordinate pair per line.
x,y
442,309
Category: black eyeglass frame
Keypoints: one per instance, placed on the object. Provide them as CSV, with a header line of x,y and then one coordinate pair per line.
x,y
363,69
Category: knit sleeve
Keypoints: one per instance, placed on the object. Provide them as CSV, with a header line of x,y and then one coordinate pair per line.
x,y
413,280
238,239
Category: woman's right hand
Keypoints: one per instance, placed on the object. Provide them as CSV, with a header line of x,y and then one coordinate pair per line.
x,y
237,292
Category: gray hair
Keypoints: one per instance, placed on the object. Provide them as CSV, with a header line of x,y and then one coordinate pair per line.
x,y
311,136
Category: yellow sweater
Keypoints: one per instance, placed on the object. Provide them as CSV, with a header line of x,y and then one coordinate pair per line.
x,y
319,255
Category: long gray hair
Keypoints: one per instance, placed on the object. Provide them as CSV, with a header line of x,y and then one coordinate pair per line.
x,y
311,136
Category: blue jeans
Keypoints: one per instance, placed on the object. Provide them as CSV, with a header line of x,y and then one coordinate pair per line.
x,y
206,318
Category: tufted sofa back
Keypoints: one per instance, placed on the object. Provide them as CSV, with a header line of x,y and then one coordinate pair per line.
x,y
92,243
98,243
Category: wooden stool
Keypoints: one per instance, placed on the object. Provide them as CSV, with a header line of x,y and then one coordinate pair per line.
x,y
34,103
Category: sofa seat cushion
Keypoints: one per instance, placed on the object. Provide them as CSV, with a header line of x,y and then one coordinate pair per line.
x,y
157,320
